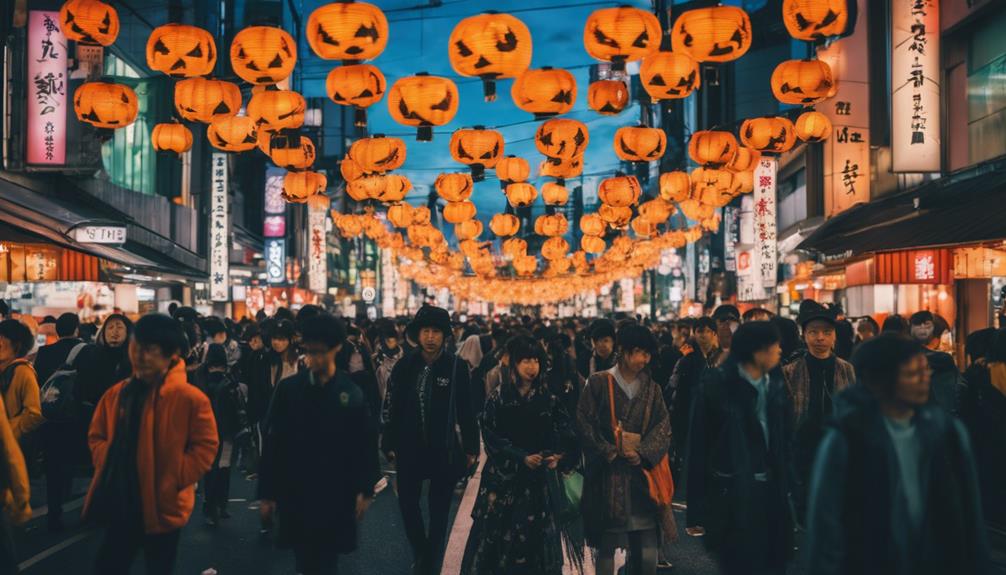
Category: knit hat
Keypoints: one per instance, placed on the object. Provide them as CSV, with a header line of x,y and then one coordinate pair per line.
x,y
430,316
810,310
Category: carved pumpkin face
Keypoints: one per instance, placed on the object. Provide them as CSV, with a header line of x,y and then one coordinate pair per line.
x,y
181,51
675,186
456,212
478,148
640,144
554,248
712,148
813,127
105,105
263,55
368,187
423,101
562,138
274,110
592,225
619,191
349,31
512,169
202,100
454,187
298,157
812,20
769,134
233,134
89,22
669,75
396,187
379,153
551,225
303,185
717,34
802,82
468,229
562,169
171,138
714,187
358,85
656,211
544,92
504,225
521,194
621,34
608,97
490,46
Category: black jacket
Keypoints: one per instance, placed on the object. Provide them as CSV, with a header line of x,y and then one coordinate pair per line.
x,y
99,367
449,407
52,357
854,483
727,448
682,388
319,452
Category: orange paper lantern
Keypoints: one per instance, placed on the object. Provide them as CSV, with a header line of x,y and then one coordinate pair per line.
x,y
181,51
716,34
544,92
89,22
105,105
171,138
263,54
348,31
622,34
233,134
562,138
813,127
712,148
490,46
802,82
423,101
669,75
477,148
639,143
608,97
357,85
769,134
206,101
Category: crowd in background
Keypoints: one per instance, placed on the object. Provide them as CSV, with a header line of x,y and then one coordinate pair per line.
x,y
866,446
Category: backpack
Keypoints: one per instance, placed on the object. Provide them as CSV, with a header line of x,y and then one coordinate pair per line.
x,y
57,393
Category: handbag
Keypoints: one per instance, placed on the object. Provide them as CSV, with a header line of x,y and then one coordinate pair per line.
x,y
659,481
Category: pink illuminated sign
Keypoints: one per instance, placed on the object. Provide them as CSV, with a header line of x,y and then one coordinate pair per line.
x,y
47,86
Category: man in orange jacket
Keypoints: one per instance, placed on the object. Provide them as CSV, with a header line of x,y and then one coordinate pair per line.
x,y
152,438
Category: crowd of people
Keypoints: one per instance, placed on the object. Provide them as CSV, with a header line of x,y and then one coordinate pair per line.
x,y
865,447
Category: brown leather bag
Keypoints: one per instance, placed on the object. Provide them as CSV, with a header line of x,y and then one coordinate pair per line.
x,y
658,478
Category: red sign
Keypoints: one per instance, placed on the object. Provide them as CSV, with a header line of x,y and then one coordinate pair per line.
x,y
931,266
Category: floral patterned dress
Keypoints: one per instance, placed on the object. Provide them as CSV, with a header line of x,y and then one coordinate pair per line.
x,y
517,525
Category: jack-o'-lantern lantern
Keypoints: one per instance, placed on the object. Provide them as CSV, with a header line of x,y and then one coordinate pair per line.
x,y
348,31
468,230
490,46
477,148
771,134
812,20
105,105
813,127
181,51
560,266
203,100
512,169
669,75
696,210
423,101
554,248
643,227
592,244
562,138
619,191
521,194
615,216
400,215
639,143
745,159
562,169
525,265
716,34
712,148
544,92
369,187
396,187
275,110
554,194
551,225
233,134
263,54
675,186
504,225
656,210
89,22
454,187
608,97
350,169
356,85
802,81
622,34
592,225
514,247
421,215
296,157
455,212
171,138
378,153
304,184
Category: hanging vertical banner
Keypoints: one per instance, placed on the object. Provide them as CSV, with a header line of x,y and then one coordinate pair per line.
x,y
274,227
915,85
220,244
749,284
765,219
46,137
317,252
731,234
275,260
847,151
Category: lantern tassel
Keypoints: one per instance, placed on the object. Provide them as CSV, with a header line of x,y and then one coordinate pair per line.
x,y
489,89
478,172
360,118
424,134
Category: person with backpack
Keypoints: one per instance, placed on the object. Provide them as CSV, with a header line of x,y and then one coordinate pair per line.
x,y
53,356
232,423
18,380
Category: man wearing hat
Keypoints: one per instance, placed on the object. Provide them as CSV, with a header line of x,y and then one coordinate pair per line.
x,y
728,319
602,339
813,381
430,431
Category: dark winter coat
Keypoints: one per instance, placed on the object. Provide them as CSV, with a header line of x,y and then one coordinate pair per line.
x,y
319,452
987,423
682,388
725,444
854,483
51,357
99,367
228,404
449,409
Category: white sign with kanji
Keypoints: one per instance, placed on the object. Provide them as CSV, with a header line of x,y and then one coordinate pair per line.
x,y
765,226
220,236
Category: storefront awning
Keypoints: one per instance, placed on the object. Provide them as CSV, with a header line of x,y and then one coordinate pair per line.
x,y
962,208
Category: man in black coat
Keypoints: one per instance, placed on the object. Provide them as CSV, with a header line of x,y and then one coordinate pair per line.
x,y
428,402
602,354
739,456
319,494
51,357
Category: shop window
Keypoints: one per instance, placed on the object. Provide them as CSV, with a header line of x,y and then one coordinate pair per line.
x,y
987,91
128,156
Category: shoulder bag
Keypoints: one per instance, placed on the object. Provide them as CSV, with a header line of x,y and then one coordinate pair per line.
x,y
658,478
